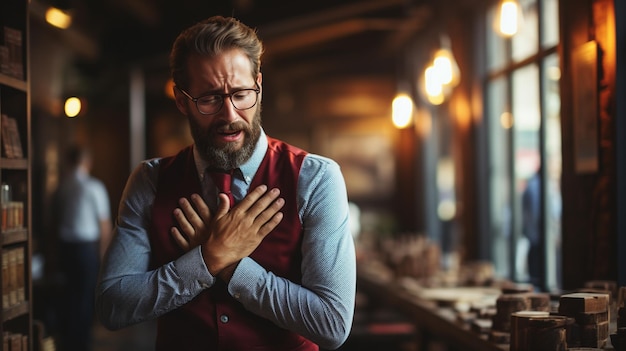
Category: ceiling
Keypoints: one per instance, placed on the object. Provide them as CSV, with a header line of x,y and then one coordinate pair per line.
x,y
140,28
303,40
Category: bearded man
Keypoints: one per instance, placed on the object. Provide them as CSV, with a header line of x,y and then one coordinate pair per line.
x,y
240,241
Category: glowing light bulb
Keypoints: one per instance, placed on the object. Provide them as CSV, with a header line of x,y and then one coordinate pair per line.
x,y
58,18
72,107
402,111
510,18
443,66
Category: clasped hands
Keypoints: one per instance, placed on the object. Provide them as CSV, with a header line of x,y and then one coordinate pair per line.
x,y
230,234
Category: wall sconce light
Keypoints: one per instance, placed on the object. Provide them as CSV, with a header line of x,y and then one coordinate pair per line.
x,y
442,75
509,18
58,18
73,107
402,111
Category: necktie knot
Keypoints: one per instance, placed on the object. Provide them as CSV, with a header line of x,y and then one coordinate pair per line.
x,y
222,180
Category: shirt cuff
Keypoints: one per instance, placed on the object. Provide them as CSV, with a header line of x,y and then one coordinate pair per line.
x,y
243,282
187,267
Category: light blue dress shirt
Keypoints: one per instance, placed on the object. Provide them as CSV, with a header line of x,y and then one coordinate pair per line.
x,y
320,309
82,202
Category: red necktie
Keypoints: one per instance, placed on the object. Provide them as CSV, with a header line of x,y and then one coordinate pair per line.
x,y
222,180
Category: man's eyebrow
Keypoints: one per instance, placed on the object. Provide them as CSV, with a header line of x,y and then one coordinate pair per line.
x,y
219,91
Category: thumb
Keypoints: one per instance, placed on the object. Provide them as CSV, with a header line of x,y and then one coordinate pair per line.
x,y
224,205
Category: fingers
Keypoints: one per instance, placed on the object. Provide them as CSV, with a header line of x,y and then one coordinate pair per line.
x,y
269,215
183,222
261,207
266,201
201,207
259,200
192,222
271,224
189,211
180,239
237,232
252,197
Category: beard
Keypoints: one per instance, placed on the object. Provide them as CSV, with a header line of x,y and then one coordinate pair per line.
x,y
226,157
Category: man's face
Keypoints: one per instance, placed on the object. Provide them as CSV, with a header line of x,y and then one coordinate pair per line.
x,y
227,138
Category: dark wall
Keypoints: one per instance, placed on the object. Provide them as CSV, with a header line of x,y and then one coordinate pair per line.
x,y
589,199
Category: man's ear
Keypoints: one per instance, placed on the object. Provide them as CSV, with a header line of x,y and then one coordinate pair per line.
x,y
181,101
259,81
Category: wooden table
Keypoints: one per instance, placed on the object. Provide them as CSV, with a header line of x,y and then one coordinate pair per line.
x,y
435,324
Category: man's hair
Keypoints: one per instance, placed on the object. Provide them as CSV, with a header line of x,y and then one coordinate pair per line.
x,y
210,38
76,154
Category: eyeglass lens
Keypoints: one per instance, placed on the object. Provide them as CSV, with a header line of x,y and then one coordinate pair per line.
x,y
241,100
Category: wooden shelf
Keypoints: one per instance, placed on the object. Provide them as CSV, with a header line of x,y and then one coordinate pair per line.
x,y
14,83
14,236
14,163
15,243
15,311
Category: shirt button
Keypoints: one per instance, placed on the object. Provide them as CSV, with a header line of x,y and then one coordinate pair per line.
x,y
237,296
224,318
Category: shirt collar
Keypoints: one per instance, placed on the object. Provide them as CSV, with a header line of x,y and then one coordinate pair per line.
x,y
246,170
80,173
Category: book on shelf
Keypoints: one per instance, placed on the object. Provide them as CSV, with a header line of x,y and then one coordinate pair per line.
x,y
13,277
11,141
14,341
4,59
11,58
12,215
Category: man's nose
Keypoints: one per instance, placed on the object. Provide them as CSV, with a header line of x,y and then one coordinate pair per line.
x,y
229,112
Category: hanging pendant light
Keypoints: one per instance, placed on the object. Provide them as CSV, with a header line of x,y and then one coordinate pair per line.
x,y
508,18
402,111
442,75
445,64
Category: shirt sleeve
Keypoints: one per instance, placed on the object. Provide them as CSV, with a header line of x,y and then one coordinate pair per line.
x,y
101,200
322,308
128,291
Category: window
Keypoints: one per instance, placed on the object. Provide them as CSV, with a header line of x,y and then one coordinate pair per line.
x,y
524,146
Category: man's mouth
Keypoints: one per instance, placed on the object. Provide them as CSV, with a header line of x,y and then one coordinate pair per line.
x,y
229,135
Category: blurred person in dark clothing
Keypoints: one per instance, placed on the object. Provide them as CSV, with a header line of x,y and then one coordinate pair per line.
x,y
531,225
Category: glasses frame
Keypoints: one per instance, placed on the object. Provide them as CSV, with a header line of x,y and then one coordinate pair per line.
x,y
257,90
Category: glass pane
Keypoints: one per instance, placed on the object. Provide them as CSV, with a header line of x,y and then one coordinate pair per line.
x,y
550,22
496,45
552,103
526,115
525,42
499,157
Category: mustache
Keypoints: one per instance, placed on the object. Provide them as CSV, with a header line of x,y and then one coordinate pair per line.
x,y
230,127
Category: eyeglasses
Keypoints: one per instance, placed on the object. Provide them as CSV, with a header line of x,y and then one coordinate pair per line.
x,y
211,104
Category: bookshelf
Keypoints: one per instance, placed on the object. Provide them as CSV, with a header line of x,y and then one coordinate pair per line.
x,y
15,178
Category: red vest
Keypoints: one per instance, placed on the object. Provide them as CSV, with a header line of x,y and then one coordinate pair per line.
x,y
214,320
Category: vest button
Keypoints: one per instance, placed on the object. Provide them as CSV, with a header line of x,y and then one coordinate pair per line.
x,y
224,318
